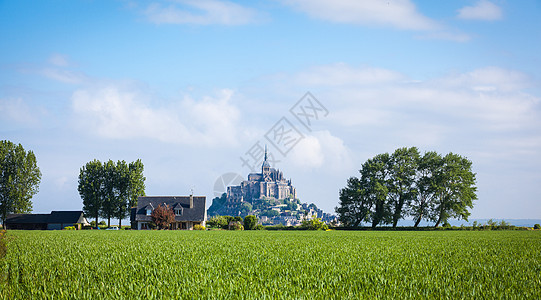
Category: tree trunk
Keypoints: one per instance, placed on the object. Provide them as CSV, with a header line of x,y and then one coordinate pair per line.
x,y
375,223
109,222
97,221
438,222
418,220
119,223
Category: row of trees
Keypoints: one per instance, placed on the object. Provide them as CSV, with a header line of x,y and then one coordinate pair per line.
x,y
428,187
19,179
110,189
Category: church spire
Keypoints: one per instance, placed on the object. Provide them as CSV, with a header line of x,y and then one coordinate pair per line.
x,y
265,164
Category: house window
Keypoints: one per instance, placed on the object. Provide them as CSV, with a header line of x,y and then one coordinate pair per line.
x,y
149,212
178,212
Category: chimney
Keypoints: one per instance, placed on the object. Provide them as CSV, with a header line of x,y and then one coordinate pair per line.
x,y
191,201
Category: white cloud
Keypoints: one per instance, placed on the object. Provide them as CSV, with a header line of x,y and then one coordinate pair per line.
x,y
200,12
65,76
59,60
343,74
320,149
17,110
401,14
490,98
125,112
482,10
446,36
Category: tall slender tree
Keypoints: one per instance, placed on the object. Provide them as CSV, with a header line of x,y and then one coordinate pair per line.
x,y
110,189
91,188
19,179
122,185
111,197
136,182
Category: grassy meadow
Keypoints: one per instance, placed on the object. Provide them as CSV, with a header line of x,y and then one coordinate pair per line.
x,y
271,265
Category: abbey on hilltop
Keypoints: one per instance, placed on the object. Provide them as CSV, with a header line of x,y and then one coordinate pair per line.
x,y
270,183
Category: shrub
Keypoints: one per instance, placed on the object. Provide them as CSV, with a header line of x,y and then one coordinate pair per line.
x,y
218,222
236,225
69,228
250,222
314,224
102,223
198,227
537,226
259,227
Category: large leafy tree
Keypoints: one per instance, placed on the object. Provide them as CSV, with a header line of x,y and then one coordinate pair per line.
x,y
391,187
402,167
455,189
422,205
19,179
375,177
354,206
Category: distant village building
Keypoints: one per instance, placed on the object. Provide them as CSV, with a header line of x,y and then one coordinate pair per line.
x,y
269,183
56,220
189,211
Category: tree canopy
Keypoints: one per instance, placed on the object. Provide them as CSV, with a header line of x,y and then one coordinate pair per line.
x,y
19,179
110,189
426,187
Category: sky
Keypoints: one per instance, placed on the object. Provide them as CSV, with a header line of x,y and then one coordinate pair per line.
x,y
197,89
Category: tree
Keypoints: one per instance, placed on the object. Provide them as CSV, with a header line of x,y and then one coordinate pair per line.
x,y
110,195
422,205
375,177
390,187
353,203
90,188
19,179
455,189
136,183
122,185
110,189
250,222
163,216
402,167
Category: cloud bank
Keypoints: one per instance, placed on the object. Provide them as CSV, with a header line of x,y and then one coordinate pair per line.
x,y
117,111
200,12
482,10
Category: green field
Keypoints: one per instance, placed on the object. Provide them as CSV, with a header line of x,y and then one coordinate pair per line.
x,y
271,264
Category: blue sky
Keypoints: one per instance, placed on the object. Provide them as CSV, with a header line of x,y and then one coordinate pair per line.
x,y
191,86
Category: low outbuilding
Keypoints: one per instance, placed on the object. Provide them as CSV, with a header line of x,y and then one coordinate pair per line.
x,y
56,220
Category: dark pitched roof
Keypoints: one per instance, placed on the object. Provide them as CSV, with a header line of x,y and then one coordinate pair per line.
x,y
27,218
197,213
54,217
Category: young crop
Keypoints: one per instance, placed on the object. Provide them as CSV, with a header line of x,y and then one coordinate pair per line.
x,y
271,264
